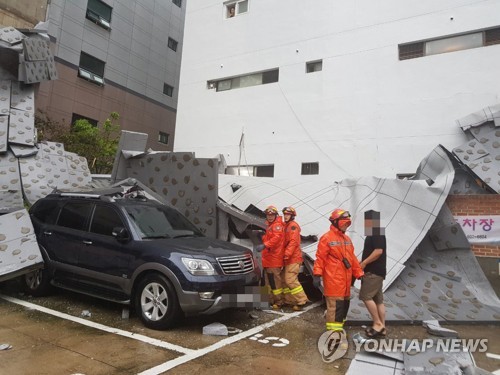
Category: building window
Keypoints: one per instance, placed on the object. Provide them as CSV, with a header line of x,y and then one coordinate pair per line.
x,y
314,66
77,117
99,13
172,44
251,170
91,69
492,36
163,138
254,79
263,170
234,8
310,168
177,2
168,90
450,44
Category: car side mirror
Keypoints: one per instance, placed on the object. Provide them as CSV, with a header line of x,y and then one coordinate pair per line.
x,y
121,234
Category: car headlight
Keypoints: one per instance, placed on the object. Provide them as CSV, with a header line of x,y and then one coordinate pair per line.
x,y
198,267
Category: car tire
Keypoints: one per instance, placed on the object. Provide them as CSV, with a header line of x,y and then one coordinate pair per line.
x,y
37,283
156,302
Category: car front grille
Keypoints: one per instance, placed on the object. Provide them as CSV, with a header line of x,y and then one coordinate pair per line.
x,y
236,265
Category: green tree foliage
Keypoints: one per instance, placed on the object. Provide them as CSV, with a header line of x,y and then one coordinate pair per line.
x,y
97,144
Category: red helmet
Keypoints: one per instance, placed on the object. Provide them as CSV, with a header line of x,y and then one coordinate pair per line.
x,y
339,213
289,210
271,210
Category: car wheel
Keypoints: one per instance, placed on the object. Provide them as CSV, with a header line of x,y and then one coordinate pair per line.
x,y
37,283
156,302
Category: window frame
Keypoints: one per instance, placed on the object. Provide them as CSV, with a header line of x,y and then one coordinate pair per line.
x,y
310,168
99,19
233,83
88,73
168,90
236,5
172,44
247,170
162,135
314,63
412,50
263,166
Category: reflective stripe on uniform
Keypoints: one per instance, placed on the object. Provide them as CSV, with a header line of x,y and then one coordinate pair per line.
x,y
297,290
286,290
277,291
334,326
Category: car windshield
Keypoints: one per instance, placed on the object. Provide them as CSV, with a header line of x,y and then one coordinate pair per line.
x,y
160,222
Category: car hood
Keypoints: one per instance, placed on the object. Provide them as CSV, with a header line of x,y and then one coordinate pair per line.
x,y
198,245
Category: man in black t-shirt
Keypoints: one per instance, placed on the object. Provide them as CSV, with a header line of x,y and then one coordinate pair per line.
x,y
373,262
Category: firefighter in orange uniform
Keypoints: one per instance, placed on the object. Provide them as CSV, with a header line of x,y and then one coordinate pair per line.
x,y
272,255
293,292
337,264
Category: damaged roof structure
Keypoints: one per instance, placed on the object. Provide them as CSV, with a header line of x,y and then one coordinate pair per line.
x,y
28,170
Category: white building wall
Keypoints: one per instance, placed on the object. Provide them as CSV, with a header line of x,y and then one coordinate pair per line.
x,y
365,113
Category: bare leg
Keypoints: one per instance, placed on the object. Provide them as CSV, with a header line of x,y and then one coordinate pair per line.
x,y
381,313
373,310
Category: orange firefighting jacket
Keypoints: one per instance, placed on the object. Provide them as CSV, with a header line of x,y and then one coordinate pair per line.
x,y
273,240
293,252
332,248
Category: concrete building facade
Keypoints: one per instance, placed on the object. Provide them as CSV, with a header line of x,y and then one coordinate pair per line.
x,y
22,13
115,56
337,89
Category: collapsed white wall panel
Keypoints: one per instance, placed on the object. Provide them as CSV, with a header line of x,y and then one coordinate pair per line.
x,y
18,246
52,168
22,97
78,170
10,35
11,197
187,183
491,113
20,151
22,127
4,122
408,208
130,142
4,98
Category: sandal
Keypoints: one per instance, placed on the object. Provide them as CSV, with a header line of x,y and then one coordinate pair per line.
x,y
372,333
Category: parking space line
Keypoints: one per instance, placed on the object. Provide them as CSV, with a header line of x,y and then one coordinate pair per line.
x,y
220,344
130,335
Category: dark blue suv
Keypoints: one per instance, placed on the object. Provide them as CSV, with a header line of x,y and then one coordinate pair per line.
x,y
135,251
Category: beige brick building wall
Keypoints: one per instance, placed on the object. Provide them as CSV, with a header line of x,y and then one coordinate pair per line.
x,y
22,13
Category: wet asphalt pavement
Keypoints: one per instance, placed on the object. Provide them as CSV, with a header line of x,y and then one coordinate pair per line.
x,y
60,341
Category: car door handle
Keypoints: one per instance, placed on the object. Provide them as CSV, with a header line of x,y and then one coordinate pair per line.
x,y
47,233
87,242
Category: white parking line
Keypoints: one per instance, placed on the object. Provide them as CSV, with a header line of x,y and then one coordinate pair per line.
x,y
230,340
189,354
130,335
